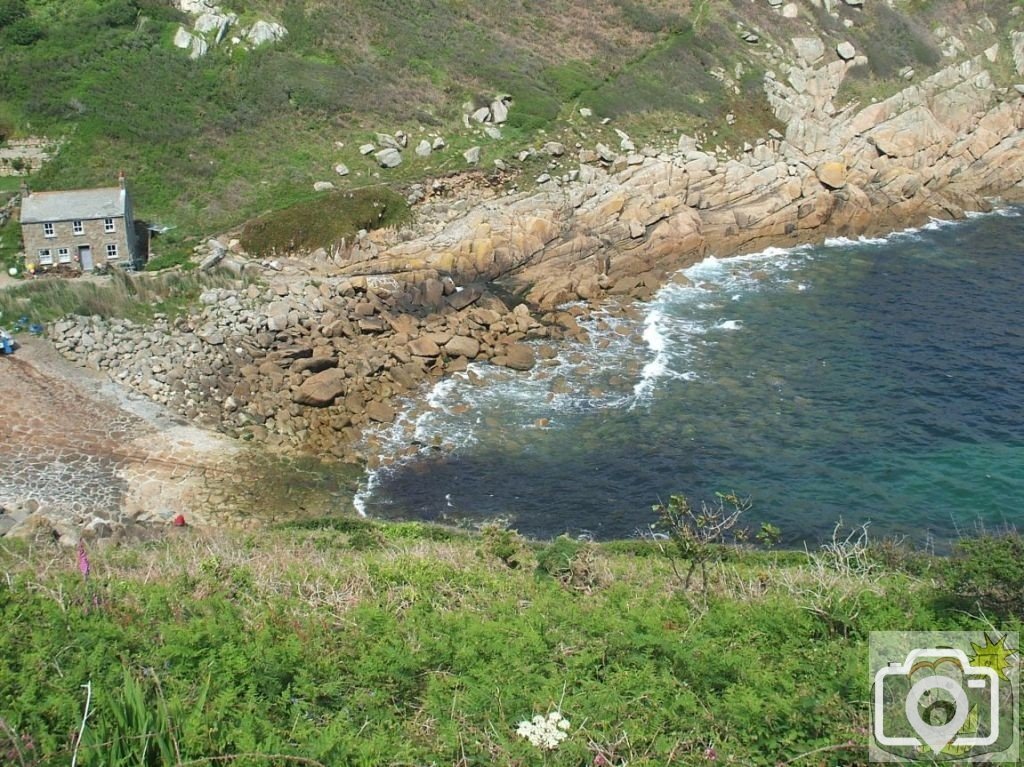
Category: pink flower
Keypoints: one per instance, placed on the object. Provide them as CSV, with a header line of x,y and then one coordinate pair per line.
x,y
83,560
710,754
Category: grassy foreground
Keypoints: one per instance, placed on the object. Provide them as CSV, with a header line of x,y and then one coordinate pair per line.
x,y
357,643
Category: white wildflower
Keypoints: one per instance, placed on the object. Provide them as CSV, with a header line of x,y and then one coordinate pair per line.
x,y
545,731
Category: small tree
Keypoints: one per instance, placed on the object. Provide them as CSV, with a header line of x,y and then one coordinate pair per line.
x,y
698,535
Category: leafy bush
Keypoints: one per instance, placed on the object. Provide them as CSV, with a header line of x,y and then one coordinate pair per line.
x,y
988,573
504,544
11,11
572,563
24,31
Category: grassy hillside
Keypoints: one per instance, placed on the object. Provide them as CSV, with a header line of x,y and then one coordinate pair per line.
x,y
354,643
213,142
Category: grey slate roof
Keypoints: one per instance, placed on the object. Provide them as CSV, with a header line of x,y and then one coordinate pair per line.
x,y
76,205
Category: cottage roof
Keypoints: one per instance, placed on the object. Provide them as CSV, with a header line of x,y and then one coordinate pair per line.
x,y
74,205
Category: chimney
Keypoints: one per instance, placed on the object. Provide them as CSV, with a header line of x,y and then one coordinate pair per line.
x,y
121,179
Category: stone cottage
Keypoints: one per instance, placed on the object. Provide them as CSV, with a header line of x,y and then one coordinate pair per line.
x,y
81,229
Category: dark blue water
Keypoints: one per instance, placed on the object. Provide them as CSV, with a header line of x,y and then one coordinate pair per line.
x,y
877,381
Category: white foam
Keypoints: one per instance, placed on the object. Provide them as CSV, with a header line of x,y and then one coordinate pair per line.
x,y
845,242
730,325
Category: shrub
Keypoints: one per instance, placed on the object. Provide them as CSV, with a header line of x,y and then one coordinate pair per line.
x,y
572,563
504,544
24,31
988,572
11,11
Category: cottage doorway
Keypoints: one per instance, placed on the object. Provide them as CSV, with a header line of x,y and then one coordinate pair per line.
x,y
85,257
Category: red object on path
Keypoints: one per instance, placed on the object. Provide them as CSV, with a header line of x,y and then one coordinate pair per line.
x,y
179,521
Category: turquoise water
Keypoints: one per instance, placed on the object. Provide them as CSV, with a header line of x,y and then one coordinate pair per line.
x,y
875,381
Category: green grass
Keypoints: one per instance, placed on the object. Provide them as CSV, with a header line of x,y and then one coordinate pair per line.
x,y
352,642
10,244
323,221
135,297
209,144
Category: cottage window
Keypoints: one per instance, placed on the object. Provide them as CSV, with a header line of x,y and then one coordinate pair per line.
x,y
48,230
63,256
77,227
45,257
108,225
111,251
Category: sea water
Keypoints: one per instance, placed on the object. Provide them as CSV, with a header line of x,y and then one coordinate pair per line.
x,y
874,381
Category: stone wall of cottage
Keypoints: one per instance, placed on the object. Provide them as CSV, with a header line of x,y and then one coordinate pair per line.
x,y
94,234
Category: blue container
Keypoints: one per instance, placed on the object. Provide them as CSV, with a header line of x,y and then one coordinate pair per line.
x,y
8,345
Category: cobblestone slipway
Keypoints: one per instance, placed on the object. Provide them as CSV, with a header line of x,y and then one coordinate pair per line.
x,y
74,447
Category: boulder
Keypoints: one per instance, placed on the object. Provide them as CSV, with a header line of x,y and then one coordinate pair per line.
x,y
381,412
846,51
389,158
366,149
423,149
321,389
517,357
424,347
314,364
472,155
214,22
481,115
810,49
265,32
323,186
462,346
554,148
182,38
341,169
832,174
499,110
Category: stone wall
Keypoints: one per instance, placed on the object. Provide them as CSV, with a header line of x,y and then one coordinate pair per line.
x,y
94,235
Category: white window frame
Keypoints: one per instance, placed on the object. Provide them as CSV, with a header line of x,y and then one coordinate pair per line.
x,y
48,230
112,251
109,226
63,255
45,257
78,227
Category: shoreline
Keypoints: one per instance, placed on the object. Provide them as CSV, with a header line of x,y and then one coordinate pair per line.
x,y
334,342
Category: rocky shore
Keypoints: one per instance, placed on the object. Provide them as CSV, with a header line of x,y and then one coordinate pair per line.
x,y
304,364
329,343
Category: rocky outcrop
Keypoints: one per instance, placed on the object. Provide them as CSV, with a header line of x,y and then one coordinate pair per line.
x,y
306,366
213,24
616,224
